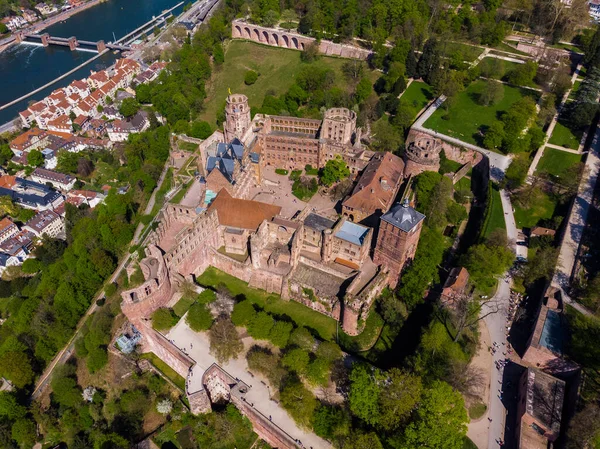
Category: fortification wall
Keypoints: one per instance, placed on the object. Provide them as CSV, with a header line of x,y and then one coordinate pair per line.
x,y
357,308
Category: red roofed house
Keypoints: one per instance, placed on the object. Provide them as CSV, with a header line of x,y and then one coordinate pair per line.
x,y
62,124
7,229
30,140
454,287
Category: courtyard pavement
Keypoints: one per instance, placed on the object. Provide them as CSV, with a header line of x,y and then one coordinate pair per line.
x,y
197,346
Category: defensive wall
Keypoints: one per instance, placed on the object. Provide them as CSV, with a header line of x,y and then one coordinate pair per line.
x,y
294,41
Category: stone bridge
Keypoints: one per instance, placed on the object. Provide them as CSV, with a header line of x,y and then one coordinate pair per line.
x,y
284,39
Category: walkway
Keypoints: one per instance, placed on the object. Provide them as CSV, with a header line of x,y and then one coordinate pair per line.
x,y
197,346
571,240
498,162
550,130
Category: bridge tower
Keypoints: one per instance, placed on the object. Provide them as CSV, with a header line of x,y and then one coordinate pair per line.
x,y
73,43
45,38
100,46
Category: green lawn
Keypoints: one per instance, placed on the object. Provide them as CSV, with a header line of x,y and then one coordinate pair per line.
x,y
187,146
541,209
477,410
505,47
300,314
277,68
165,369
463,184
503,74
367,338
496,214
179,196
576,86
557,162
183,305
564,136
418,94
466,119
468,444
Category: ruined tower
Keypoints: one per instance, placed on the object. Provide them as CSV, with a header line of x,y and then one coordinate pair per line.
x,y
237,116
422,154
399,232
339,125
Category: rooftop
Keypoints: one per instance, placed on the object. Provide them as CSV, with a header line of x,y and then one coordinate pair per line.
x,y
545,397
243,214
352,232
318,223
403,216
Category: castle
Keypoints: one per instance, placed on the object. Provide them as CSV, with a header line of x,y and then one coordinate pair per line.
x,y
335,265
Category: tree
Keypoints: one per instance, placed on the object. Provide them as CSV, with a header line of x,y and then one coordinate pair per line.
x,y
143,93
516,172
329,351
199,317
243,313
3,28
16,367
65,391
164,406
353,69
299,402
335,170
24,432
9,406
261,325
331,422
164,319
494,136
225,343
399,397
392,310
129,107
492,93
363,90
386,136
302,338
250,77
31,266
200,130
523,74
280,333
363,441
441,420
35,158
364,393
311,52
296,360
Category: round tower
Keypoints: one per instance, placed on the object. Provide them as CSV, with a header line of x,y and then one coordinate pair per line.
x,y
422,154
237,116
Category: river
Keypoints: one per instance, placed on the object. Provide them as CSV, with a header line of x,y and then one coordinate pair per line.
x,y
25,67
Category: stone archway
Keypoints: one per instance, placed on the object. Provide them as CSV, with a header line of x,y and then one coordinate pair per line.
x,y
248,34
302,46
237,31
295,43
257,35
276,39
286,42
265,38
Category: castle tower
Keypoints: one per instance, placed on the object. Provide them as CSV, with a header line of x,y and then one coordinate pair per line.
x,y
422,154
237,117
399,232
339,125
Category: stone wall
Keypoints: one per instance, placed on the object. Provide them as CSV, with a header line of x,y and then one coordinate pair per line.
x,y
461,172
286,39
356,309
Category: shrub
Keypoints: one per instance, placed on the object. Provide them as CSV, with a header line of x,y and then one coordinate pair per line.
x,y
199,317
250,77
296,360
317,372
206,297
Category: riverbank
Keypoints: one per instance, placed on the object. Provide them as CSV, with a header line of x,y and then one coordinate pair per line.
x,y
43,24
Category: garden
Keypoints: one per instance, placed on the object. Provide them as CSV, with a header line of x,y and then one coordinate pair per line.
x,y
557,163
467,119
565,135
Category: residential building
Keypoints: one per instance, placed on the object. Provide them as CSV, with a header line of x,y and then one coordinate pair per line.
x,y
29,194
19,245
58,180
594,9
62,124
34,139
119,130
7,229
47,223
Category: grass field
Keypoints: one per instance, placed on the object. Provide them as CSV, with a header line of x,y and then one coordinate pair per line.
x,y
496,217
468,444
277,68
469,52
466,119
300,314
557,162
505,47
183,306
542,208
418,94
576,86
564,136
508,67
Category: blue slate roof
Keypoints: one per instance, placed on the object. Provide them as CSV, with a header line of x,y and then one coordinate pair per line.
x,y
31,193
226,155
352,232
403,216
